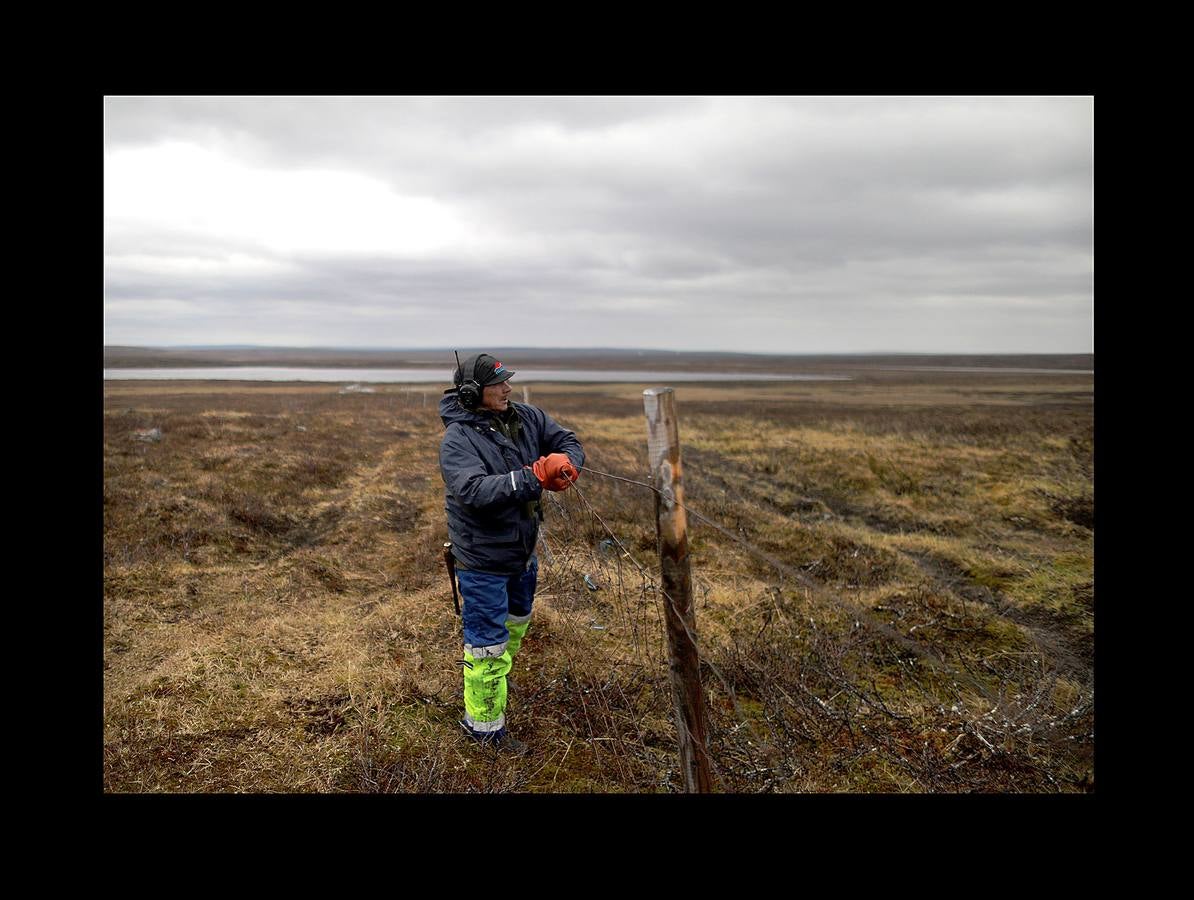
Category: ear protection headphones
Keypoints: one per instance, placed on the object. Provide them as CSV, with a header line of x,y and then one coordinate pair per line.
x,y
469,392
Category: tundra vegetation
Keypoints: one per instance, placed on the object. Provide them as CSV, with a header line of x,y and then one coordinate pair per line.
x,y
277,617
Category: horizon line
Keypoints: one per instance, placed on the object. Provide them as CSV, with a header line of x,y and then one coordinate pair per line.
x,y
448,348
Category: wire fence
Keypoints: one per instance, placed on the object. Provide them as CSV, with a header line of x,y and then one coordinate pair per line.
x,y
811,684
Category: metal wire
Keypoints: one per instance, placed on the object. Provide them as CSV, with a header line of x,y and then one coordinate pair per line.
x,y
812,584
704,657
843,680
704,751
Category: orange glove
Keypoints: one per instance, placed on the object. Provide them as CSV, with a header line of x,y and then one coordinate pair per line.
x,y
566,473
555,471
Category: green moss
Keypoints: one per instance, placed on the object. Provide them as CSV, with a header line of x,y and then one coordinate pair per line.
x,y
991,575
1058,585
752,710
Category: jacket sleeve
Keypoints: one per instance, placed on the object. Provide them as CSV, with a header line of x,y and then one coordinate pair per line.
x,y
467,479
556,439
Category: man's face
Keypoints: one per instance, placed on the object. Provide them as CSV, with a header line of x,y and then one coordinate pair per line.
x,y
496,397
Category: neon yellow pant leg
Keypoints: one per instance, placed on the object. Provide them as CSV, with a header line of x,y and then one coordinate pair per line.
x,y
485,690
518,631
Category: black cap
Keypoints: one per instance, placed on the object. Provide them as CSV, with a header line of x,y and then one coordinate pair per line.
x,y
487,370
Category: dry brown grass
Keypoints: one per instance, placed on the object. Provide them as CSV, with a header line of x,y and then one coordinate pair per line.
x,y
276,616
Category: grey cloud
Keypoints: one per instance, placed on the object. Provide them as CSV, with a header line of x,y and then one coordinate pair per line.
x,y
804,209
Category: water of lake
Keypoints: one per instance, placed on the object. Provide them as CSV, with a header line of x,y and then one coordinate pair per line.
x,y
434,376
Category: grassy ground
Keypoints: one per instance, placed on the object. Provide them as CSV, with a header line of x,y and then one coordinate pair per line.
x,y
277,618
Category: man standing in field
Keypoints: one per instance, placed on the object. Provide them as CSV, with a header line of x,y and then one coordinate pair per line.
x,y
497,458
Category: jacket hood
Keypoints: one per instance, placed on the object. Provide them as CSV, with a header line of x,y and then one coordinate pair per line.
x,y
451,411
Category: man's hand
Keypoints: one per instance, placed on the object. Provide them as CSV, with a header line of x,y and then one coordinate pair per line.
x,y
555,471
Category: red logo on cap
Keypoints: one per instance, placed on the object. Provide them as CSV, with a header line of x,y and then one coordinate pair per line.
x,y
497,366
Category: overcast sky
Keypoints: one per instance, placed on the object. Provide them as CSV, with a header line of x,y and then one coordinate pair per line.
x,y
769,224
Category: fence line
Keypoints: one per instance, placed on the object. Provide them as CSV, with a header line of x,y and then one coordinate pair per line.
x,y
820,590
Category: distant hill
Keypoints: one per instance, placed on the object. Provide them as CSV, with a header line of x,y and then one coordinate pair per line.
x,y
119,357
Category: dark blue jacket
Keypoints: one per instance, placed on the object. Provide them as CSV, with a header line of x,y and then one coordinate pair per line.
x,y
486,487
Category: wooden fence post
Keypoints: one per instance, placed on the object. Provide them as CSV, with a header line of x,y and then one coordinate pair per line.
x,y
671,527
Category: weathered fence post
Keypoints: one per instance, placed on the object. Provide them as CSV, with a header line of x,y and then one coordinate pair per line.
x,y
671,526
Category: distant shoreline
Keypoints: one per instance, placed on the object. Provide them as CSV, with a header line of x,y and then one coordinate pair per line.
x,y
119,357
429,375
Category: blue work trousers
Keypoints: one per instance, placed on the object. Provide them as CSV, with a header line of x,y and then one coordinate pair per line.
x,y
490,599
